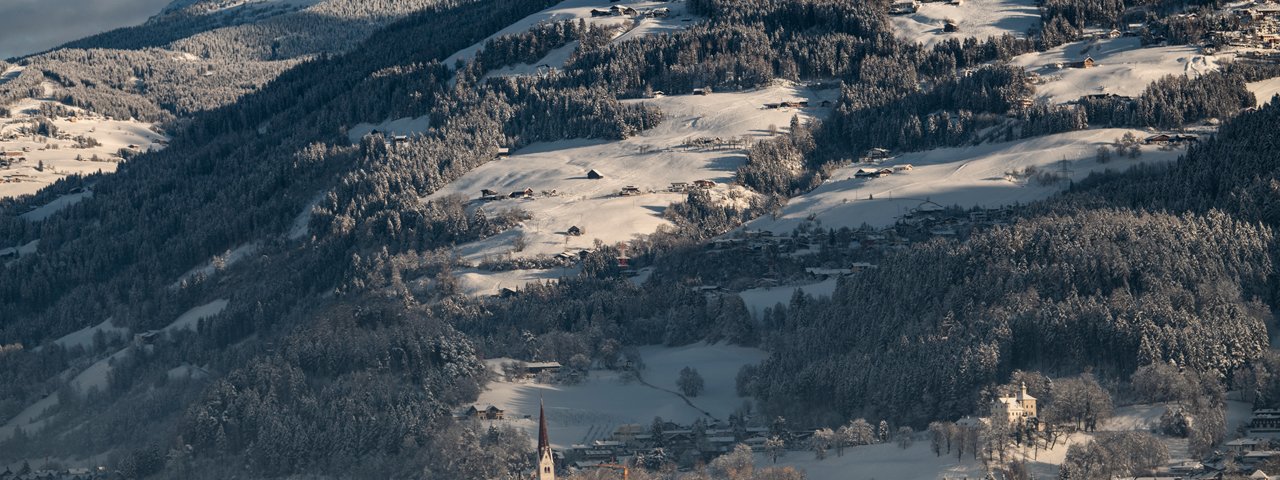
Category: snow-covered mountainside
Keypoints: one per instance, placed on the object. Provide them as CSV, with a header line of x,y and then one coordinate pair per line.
x,y
708,239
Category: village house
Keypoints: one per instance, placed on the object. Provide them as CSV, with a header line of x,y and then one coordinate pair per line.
x,y
678,187
1086,63
877,154
872,172
594,175
526,193
575,231
1244,445
629,190
485,412
903,8
535,368
704,184
701,91
504,152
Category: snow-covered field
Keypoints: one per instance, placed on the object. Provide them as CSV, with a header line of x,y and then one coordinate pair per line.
x,y
650,161
1124,67
594,408
480,282
399,126
976,18
20,250
44,211
58,155
96,375
191,318
758,299
84,336
581,9
1265,89
965,176
211,267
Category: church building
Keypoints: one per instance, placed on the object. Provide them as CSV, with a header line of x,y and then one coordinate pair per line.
x,y
546,460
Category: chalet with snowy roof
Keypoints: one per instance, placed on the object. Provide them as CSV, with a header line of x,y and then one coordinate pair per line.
x,y
534,368
903,8
526,193
1242,445
872,172
485,412
1165,138
877,154
629,190
594,174
1016,409
1086,63
704,184
574,231
504,152
701,91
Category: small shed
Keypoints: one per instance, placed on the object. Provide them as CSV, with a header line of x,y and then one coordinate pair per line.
x,y
594,175
575,231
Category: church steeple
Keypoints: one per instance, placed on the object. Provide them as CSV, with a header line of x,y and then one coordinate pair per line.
x,y
546,461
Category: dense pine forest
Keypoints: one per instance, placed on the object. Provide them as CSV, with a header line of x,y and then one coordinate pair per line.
x,y
345,350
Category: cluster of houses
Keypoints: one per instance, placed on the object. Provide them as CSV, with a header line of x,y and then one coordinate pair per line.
x,y
1245,456
795,104
675,187
913,6
622,10
1260,27
877,172
683,187
7,159
682,444
80,473
1177,139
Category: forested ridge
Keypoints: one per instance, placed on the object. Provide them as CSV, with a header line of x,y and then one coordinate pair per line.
x,y
344,351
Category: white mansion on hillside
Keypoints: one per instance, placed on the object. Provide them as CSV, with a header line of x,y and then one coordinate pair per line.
x,y
1018,409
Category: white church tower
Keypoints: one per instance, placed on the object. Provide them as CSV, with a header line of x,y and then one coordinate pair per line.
x,y
546,461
